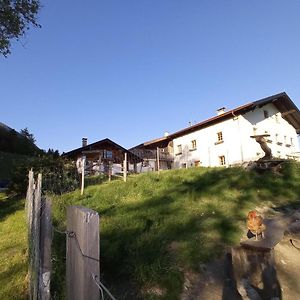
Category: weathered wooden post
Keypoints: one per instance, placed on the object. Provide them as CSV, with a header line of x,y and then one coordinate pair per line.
x,y
110,166
36,235
83,251
29,215
125,167
45,244
157,156
82,174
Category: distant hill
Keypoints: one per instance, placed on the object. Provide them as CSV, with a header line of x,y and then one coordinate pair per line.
x,y
12,141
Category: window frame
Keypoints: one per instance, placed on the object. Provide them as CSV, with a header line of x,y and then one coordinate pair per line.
x,y
222,160
179,149
193,145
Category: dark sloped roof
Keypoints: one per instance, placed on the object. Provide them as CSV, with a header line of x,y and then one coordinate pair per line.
x,y
282,102
102,144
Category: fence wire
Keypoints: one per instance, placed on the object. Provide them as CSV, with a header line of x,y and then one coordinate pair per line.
x,y
102,287
99,284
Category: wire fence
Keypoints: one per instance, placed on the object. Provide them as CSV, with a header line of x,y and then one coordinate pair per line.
x,y
40,232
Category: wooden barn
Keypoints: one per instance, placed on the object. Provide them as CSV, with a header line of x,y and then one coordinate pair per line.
x,y
103,156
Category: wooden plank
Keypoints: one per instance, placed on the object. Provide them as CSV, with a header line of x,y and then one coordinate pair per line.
x,y
288,112
157,158
125,167
83,251
29,219
82,175
35,239
29,199
45,250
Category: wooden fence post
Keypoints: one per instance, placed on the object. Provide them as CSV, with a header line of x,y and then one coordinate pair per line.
x,y
39,239
157,156
45,253
29,217
83,252
125,168
82,175
36,235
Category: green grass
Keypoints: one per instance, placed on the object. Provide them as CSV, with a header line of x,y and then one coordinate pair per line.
x,y
13,249
156,227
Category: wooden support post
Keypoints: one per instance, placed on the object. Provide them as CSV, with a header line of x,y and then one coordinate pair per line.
x,y
109,170
83,253
82,175
29,198
157,157
125,167
36,236
45,245
29,215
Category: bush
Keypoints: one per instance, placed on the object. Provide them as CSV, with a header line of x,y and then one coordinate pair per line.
x,y
58,175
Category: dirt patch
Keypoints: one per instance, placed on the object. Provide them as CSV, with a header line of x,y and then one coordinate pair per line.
x,y
241,275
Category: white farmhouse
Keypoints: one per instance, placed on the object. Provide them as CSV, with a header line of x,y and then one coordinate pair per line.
x,y
229,138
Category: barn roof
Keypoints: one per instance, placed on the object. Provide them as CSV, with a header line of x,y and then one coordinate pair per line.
x,y
282,102
106,144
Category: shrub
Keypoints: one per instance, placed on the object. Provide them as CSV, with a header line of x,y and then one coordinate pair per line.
x,y
59,175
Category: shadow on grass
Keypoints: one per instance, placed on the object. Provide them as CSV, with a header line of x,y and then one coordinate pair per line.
x,y
149,245
9,205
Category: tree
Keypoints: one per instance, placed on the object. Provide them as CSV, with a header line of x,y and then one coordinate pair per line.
x,y
16,17
25,132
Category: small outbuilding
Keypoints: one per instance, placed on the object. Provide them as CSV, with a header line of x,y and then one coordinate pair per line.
x,y
104,156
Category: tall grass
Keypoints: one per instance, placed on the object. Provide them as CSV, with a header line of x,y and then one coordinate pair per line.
x,y
156,227
13,249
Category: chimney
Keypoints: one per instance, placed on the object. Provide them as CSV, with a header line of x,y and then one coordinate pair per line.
x,y
166,134
84,142
221,111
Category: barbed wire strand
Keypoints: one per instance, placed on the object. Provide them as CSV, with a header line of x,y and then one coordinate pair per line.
x,y
101,286
98,285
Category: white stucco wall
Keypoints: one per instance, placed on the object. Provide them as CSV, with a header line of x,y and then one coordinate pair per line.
x,y
237,146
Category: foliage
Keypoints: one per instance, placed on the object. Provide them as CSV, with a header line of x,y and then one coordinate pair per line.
x,y
8,162
59,175
25,132
16,16
13,142
157,227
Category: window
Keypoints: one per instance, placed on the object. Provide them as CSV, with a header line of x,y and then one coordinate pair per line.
x,y
220,137
197,163
184,166
179,149
107,154
193,145
266,114
222,160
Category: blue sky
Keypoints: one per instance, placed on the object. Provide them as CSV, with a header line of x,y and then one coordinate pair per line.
x,y
130,70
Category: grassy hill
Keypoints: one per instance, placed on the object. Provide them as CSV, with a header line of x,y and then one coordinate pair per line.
x,y
13,249
15,148
12,141
157,227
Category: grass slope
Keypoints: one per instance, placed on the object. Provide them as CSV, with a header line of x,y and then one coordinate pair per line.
x,y
13,249
156,227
